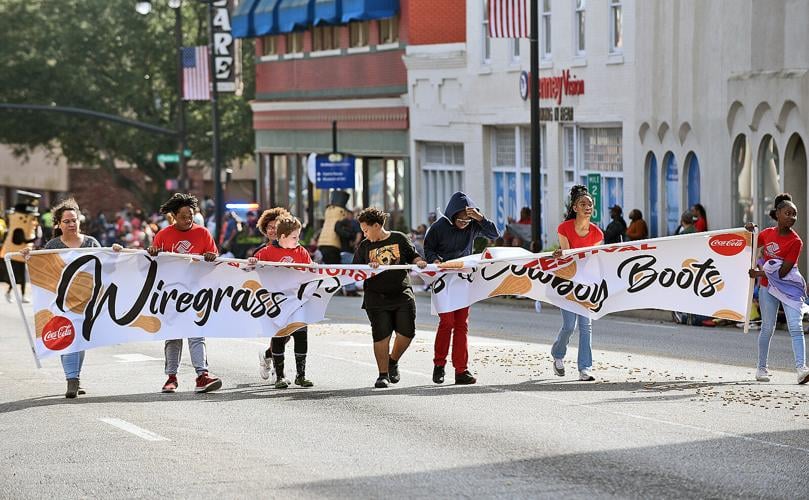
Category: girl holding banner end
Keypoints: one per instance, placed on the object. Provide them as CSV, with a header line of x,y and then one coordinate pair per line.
x,y
576,232
66,234
780,284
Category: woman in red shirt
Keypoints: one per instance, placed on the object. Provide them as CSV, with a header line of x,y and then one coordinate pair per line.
x,y
576,232
287,249
780,243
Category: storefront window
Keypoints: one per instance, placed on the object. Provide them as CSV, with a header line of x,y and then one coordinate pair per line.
x,y
512,175
442,174
600,151
742,179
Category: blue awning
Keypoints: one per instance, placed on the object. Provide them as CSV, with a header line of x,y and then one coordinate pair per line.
x,y
365,10
265,17
295,15
242,19
327,12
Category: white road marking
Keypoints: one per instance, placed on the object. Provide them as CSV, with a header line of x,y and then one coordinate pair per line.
x,y
134,429
133,358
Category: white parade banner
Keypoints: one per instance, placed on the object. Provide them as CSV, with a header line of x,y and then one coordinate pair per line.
x,y
701,273
87,298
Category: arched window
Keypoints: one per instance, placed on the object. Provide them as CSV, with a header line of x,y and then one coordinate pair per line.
x,y
672,193
652,208
768,184
692,179
795,182
741,192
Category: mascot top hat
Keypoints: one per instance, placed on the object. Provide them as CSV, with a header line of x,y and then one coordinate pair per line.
x,y
23,221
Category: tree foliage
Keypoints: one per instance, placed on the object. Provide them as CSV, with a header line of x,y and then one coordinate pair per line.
x,y
103,56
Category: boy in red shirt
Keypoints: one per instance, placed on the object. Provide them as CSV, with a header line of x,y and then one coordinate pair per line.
x,y
287,249
266,226
185,237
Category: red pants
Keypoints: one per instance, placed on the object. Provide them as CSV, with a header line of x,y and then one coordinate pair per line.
x,y
456,322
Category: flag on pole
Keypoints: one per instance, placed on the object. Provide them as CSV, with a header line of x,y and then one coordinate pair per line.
x,y
509,19
196,80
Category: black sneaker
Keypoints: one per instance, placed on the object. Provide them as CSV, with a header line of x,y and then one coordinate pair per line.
x,y
381,383
393,373
438,374
464,378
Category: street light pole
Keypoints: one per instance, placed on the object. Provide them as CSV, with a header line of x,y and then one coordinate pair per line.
x,y
217,167
536,179
178,38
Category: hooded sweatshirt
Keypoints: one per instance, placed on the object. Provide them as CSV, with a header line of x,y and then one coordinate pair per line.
x,y
444,241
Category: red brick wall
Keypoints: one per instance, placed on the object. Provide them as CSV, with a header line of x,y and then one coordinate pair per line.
x,y
434,21
351,71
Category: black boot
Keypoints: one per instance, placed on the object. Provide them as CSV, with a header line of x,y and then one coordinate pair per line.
x,y
280,381
438,374
72,388
300,378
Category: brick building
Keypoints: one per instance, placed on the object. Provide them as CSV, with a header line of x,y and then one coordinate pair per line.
x,y
325,61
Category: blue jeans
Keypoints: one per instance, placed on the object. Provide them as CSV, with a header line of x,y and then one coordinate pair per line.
x,y
585,359
173,350
71,364
348,258
769,312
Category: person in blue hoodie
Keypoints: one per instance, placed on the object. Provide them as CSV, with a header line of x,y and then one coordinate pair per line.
x,y
451,237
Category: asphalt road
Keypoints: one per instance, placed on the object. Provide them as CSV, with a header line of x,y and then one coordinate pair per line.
x,y
674,414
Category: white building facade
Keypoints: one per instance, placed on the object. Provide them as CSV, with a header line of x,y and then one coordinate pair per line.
x,y
672,104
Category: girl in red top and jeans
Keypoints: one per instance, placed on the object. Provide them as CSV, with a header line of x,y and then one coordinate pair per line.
x,y
783,244
576,232
287,249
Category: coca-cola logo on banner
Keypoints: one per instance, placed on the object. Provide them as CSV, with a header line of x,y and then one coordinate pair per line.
x,y
727,244
58,333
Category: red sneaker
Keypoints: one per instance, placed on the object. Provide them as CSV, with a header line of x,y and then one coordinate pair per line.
x,y
171,384
207,384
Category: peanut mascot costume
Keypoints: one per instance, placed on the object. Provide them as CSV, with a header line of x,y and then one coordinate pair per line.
x,y
23,226
329,241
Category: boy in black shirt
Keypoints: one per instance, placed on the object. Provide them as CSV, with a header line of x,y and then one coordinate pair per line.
x,y
388,300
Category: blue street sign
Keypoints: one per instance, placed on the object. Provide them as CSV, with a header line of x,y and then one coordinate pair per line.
x,y
334,171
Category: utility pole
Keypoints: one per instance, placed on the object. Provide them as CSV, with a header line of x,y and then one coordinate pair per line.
x,y
536,206
178,38
217,166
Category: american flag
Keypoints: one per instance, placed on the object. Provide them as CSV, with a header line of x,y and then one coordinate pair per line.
x,y
196,84
508,19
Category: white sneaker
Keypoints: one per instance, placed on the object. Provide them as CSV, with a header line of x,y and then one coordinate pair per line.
x,y
585,376
762,375
803,375
26,300
559,367
264,366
